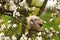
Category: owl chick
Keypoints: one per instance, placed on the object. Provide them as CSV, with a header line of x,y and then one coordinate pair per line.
x,y
34,23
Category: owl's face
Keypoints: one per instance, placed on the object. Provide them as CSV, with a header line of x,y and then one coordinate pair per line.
x,y
34,23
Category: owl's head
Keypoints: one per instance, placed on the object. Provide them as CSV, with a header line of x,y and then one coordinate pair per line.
x,y
34,23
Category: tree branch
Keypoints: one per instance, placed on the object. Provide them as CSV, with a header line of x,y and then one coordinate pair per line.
x,y
42,8
5,10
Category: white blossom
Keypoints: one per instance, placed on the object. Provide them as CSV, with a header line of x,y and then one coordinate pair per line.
x,y
23,35
29,38
25,38
46,29
51,19
51,28
59,26
57,32
7,38
19,7
9,21
1,20
58,6
14,13
44,21
33,8
50,35
27,8
51,4
39,38
14,25
0,5
9,25
39,33
26,33
23,3
53,39
2,36
17,13
44,33
2,27
14,37
21,38
12,6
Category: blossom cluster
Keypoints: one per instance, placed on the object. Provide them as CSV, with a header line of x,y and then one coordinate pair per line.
x,y
3,25
46,34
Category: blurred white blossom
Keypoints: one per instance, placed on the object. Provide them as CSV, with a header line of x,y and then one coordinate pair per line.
x,y
7,38
51,19
9,21
29,38
23,3
57,32
59,26
51,28
38,38
33,8
23,37
46,29
58,6
50,35
12,6
0,4
26,33
39,33
44,21
1,20
27,8
53,39
2,27
51,4
2,36
44,33
14,25
14,37
16,14
9,25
